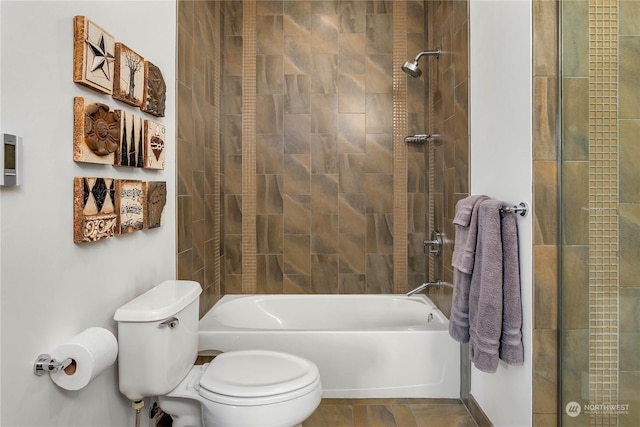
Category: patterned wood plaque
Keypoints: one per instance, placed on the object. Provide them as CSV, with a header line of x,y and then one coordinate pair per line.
x,y
130,203
156,192
94,214
153,145
93,55
128,82
96,132
131,146
155,90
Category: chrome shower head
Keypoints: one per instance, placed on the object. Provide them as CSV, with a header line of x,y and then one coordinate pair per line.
x,y
411,68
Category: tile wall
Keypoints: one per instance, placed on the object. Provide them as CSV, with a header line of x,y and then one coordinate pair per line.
x,y
323,144
199,217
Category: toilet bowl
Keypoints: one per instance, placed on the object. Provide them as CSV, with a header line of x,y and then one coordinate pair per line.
x,y
158,345
247,389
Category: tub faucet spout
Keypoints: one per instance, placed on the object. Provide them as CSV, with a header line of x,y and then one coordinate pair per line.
x,y
424,286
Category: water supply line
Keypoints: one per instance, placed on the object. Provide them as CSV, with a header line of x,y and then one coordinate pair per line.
x,y
137,405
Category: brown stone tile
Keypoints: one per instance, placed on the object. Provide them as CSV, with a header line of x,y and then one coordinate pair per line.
x,y
324,233
351,211
378,73
441,415
373,416
379,189
351,133
545,116
628,77
269,34
269,75
629,242
269,154
324,274
351,53
545,38
352,15
378,150
324,33
575,203
297,254
297,174
269,272
575,287
351,93
297,214
324,154
324,80
331,415
324,116
269,194
575,116
379,110
297,17
575,49
379,233
629,171
297,133
351,172
270,120
351,283
379,274
297,54
297,96
545,194
269,234
545,267
545,371
352,253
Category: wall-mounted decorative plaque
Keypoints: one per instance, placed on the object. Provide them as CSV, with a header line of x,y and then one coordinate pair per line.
x,y
96,132
130,203
131,147
128,84
94,215
154,145
93,55
156,192
155,90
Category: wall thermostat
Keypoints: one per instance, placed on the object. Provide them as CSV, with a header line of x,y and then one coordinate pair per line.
x,y
9,160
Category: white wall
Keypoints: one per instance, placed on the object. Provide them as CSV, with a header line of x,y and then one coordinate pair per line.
x,y
501,166
52,288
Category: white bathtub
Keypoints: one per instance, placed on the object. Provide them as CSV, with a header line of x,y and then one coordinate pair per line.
x,y
365,346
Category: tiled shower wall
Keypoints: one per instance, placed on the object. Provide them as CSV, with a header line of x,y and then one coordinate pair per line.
x,y
448,115
323,147
199,217
323,144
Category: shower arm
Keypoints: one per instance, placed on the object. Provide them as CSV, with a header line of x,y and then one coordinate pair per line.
x,y
435,53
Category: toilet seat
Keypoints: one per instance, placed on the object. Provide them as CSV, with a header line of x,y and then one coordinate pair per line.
x,y
257,377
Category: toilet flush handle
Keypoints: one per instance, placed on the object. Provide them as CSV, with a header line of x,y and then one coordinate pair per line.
x,y
171,323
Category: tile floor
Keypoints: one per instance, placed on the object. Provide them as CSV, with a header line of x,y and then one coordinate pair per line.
x,y
390,413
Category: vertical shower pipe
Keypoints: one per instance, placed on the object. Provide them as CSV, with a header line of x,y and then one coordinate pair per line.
x,y
249,238
400,252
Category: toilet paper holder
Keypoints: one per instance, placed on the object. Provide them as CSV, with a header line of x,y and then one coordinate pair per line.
x,y
45,363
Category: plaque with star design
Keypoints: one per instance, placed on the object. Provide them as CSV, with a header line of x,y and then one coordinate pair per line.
x,y
93,55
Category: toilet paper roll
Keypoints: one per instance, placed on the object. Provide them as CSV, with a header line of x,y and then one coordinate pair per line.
x,y
92,351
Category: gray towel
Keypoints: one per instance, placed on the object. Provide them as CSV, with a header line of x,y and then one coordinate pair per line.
x,y
466,226
495,291
511,348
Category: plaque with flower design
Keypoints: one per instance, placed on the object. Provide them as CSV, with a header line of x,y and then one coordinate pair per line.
x,y
130,203
93,55
154,145
96,132
128,83
155,90
94,214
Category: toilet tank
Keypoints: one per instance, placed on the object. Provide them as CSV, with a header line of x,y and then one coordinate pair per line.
x,y
157,338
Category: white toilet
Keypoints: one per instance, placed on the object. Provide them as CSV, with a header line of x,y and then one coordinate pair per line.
x,y
158,344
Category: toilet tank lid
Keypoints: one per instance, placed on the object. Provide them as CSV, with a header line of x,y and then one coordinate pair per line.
x,y
160,302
